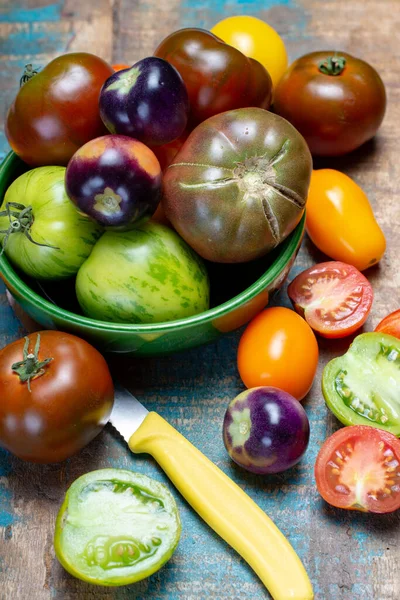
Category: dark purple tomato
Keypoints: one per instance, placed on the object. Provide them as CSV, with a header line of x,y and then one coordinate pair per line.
x,y
148,101
115,180
266,430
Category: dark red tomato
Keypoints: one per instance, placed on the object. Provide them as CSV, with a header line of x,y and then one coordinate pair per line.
x,y
335,100
358,468
56,395
238,186
57,110
217,76
390,324
334,298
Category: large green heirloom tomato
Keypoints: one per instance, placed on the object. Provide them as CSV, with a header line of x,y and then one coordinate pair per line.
x,y
362,387
239,184
40,229
116,527
146,275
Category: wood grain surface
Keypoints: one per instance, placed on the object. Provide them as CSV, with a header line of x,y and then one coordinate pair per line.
x,y
349,555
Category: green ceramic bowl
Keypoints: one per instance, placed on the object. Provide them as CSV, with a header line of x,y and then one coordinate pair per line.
x,y
239,292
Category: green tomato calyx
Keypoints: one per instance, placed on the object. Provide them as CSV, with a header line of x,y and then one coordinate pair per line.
x,y
29,72
333,65
20,218
30,367
108,203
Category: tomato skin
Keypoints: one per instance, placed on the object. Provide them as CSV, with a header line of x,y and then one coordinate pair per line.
x,y
56,111
335,113
390,324
334,298
217,76
215,189
255,39
68,237
278,349
340,220
365,456
67,406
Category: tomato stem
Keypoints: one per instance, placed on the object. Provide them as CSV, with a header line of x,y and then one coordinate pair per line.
x,y
333,65
20,219
30,367
28,73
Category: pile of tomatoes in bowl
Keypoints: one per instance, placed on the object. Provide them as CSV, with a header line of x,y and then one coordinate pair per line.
x,y
146,180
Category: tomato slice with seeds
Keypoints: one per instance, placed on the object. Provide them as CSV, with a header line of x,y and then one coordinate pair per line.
x,y
358,468
390,324
334,298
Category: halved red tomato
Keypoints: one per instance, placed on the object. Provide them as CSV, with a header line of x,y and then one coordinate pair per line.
x,y
390,324
358,468
334,298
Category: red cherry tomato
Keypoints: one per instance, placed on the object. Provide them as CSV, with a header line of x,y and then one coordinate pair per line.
x,y
334,298
278,349
390,324
358,468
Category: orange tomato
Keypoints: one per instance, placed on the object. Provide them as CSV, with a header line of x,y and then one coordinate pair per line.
x,y
279,349
340,220
120,67
390,324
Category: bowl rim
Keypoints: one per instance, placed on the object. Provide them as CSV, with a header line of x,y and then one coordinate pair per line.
x,y
11,278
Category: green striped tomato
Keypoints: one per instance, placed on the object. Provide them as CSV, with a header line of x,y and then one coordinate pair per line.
x,y
49,240
146,275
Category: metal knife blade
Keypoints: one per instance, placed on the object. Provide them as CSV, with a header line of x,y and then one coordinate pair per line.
x,y
127,413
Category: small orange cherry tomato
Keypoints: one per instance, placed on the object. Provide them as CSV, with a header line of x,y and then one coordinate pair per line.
x,y
390,324
279,349
121,66
340,220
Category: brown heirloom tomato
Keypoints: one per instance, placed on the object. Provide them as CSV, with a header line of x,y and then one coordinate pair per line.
x,y
57,110
335,100
238,186
217,76
56,394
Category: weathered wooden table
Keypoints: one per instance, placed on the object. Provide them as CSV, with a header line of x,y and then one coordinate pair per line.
x,y
349,556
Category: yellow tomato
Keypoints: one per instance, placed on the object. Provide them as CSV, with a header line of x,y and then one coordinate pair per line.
x,y
256,39
340,221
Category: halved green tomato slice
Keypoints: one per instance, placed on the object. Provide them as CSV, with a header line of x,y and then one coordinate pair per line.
x,y
116,527
362,387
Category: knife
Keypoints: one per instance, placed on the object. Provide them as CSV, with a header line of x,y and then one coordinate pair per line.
x,y
222,504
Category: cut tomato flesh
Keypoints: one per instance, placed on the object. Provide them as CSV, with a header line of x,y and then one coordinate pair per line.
x,y
334,298
359,468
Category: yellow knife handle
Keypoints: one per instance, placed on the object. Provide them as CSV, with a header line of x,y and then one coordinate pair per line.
x,y
225,508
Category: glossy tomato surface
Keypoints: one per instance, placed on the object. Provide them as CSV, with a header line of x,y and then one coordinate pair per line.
x,y
265,430
335,100
115,180
334,298
121,66
279,349
116,527
340,220
145,275
257,39
57,110
362,387
148,102
51,416
358,468
390,324
217,76
239,184
49,239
